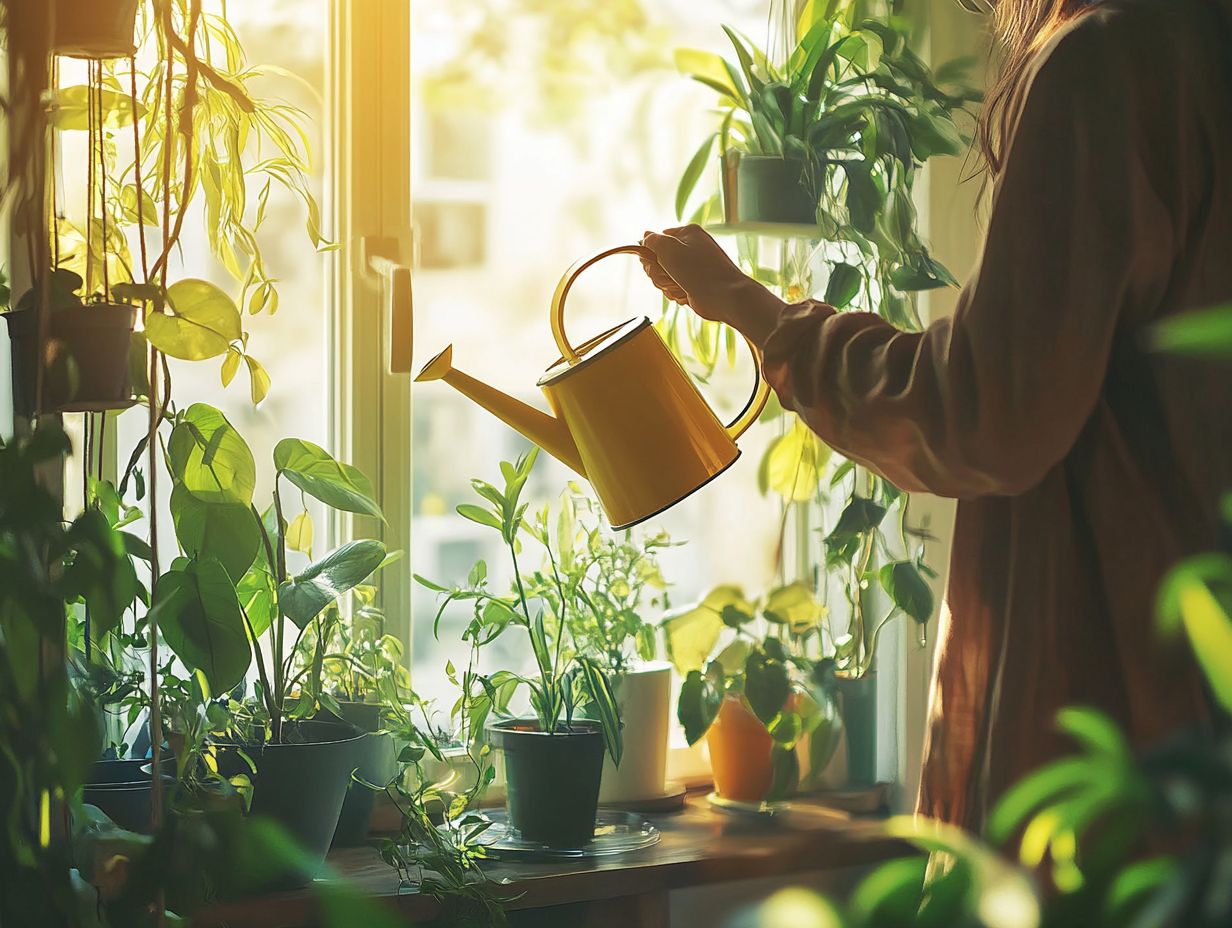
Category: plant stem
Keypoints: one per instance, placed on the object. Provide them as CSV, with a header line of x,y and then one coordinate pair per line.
x,y
279,631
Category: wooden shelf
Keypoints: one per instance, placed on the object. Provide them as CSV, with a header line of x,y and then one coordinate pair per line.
x,y
699,846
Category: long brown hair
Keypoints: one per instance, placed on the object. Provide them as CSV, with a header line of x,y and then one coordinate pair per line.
x,y
1022,28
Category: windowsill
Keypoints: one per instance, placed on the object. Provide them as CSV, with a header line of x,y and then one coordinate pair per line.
x,y
699,846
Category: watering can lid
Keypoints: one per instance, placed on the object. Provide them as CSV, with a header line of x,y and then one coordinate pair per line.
x,y
593,349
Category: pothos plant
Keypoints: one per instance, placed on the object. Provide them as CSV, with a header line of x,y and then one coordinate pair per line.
x,y
768,654
864,112
224,604
180,126
608,582
566,682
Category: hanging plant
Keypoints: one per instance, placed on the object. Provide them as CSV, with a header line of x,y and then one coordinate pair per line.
x,y
95,29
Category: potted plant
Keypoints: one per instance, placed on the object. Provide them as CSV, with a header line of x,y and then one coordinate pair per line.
x,y
759,697
608,582
95,29
223,608
355,673
850,108
85,361
553,758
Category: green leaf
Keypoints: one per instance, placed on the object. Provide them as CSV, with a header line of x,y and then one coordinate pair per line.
x,y
765,685
299,534
226,532
706,67
699,702
909,591
861,515
1038,787
200,619
303,597
785,772
864,200
1196,597
603,703
923,274
844,284
258,380
314,470
691,633
793,605
480,515
692,173
1202,332
205,322
210,457
793,463
72,108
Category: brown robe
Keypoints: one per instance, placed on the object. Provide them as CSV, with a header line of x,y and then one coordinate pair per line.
x,y
1084,462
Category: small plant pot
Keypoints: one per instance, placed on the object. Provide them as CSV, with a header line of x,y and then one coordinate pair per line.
x,y
740,753
300,784
95,29
644,697
121,790
375,761
552,791
767,189
85,361
858,702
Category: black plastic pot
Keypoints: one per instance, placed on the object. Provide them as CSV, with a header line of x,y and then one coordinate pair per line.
x,y
94,29
121,789
858,702
300,784
768,188
552,780
85,361
375,761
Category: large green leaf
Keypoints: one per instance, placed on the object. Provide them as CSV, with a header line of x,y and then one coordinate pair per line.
x,y
258,595
793,463
200,618
908,589
844,284
203,323
303,597
700,699
210,458
691,633
72,108
317,473
1204,332
795,606
227,532
765,685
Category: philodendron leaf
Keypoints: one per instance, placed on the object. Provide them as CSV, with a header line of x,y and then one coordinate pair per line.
x,y
700,699
793,463
793,605
844,284
860,516
227,532
303,597
908,589
203,323
210,458
765,685
692,633
315,471
199,616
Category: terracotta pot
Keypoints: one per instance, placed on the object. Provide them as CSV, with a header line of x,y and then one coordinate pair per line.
x,y
740,749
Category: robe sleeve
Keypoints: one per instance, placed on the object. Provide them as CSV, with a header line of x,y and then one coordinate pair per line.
x,y
1079,244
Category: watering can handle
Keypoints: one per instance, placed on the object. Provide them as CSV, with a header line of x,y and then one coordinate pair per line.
x,y
761,391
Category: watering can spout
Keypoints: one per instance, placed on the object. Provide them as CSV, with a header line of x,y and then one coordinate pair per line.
x,y
548,432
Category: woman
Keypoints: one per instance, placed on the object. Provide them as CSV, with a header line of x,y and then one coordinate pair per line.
x,y
1085,464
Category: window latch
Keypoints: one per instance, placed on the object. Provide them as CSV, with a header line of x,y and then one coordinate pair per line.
x,y
379,257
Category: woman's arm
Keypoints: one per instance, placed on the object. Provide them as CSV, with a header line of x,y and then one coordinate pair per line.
x,y
1080,242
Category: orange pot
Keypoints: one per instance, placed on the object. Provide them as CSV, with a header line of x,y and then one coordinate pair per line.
x,y
740,750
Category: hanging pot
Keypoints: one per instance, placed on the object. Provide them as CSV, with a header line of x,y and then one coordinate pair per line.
x,y
374,761
644,697
552,791
85,361
858,701
300,784
95,29
767,189
740,753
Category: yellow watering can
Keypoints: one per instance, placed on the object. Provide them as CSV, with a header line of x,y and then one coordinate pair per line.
x,y
626,415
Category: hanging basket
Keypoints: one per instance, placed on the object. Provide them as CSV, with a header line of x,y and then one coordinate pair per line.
x,y
85,361
95,29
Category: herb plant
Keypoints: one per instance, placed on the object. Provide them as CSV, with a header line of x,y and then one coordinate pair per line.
x,y
566,681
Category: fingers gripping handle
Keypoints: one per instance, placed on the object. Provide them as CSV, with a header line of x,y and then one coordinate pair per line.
x,y
761,390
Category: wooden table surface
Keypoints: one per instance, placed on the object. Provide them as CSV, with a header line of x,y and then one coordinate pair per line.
x,y
700,845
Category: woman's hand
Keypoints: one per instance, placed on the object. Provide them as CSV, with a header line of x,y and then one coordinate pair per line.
x,y
693,270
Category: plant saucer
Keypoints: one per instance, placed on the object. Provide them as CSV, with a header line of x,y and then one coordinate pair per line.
x,y
745,807
615,833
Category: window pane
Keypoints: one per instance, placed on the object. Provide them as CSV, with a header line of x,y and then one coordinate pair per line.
x,y
545,132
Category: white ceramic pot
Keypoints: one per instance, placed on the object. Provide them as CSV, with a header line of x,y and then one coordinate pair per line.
x,y
644,695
